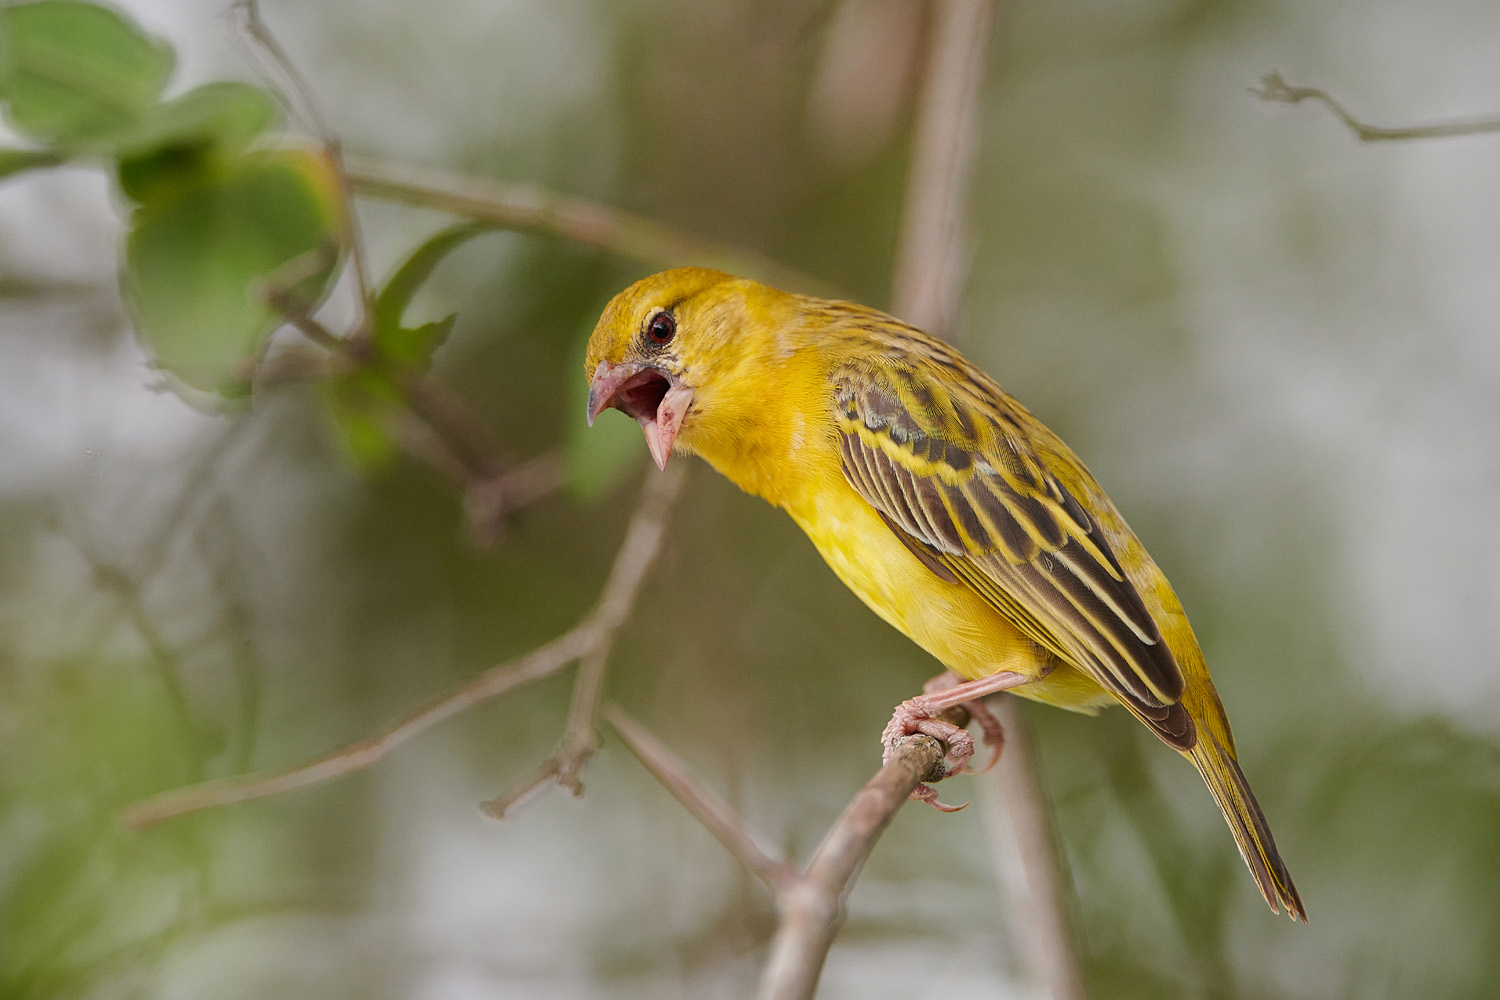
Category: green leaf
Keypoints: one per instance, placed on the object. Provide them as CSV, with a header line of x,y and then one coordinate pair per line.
x,y
597,457
175,138
226,114
202,258
365,407
76,75
14,161
414,345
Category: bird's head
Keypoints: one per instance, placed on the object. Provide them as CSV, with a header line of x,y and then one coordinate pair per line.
x,y
654,345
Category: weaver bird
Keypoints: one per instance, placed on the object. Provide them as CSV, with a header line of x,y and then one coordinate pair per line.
x,y
938,499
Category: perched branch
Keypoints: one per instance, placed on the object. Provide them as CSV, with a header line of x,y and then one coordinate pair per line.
x,y
810,903
1275,89
528,208
594,633
812,910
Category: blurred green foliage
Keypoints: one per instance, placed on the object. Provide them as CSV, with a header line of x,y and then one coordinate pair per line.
x,y
217,229
196,597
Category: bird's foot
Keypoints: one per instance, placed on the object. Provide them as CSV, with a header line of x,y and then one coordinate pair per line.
x,y
930,714
915,716
977,710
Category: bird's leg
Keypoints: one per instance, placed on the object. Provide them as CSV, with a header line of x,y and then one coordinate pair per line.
x,y
959,715
922,714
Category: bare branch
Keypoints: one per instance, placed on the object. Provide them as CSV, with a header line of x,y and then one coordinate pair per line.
x,y
812,908
930,256
1275,89
528,208
811,903
488,502
926,292
1038,911
707,808
277,68
579,743
594,632
446,435
127,591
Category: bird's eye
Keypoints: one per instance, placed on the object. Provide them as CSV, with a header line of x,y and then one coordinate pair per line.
x,y
661,328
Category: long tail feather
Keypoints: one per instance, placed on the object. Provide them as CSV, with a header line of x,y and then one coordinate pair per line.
x,y
1248,824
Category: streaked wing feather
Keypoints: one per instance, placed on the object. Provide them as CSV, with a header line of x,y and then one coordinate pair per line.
x,y
978,506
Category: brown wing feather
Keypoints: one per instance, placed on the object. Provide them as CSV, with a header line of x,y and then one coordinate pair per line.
x,y
978,506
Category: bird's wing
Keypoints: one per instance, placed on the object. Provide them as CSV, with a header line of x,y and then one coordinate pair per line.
x,y
956,478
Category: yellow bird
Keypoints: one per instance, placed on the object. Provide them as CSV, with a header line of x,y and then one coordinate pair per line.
x,y
938,499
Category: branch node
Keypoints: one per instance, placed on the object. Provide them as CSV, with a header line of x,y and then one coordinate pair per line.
x,y
1274,88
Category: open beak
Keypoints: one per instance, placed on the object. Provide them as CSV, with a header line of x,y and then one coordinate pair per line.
x,y
652,397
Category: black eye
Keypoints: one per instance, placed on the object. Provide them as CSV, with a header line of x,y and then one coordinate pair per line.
x,y
661,328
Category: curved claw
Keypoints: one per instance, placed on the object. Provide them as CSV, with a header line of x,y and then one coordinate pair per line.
x,y
929,795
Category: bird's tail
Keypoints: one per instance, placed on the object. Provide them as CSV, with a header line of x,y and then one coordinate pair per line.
x,y
1248,824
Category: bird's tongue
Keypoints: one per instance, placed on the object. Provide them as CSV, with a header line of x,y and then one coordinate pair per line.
x,y
661,427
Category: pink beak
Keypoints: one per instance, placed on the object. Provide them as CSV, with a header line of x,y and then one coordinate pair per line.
x,y
651,396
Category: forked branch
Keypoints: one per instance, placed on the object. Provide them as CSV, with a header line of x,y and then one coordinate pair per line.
x,y
1275,89
592,636
810,903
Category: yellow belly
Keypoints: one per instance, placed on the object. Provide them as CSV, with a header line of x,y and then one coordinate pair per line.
x,y
953,623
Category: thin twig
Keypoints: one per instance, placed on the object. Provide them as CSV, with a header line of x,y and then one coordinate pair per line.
x,y
930,256
277,67
284,78
810,903
594,631
1275,89
707,808
127,591
488,502
528,208
448,437
579,743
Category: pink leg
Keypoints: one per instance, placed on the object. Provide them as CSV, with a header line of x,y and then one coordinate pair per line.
x,y
994,733
920,715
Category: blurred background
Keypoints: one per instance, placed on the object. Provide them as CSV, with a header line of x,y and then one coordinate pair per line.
x,y
1277,349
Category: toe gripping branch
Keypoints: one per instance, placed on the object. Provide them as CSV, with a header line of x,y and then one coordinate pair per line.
x,y
941,711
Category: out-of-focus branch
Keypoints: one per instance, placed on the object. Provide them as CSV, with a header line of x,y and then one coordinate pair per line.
x,y
282,74
1042,916
930,256
810,903
593,634
445,435
450,439
1275,89
928,279
707,808
528,208
127,590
